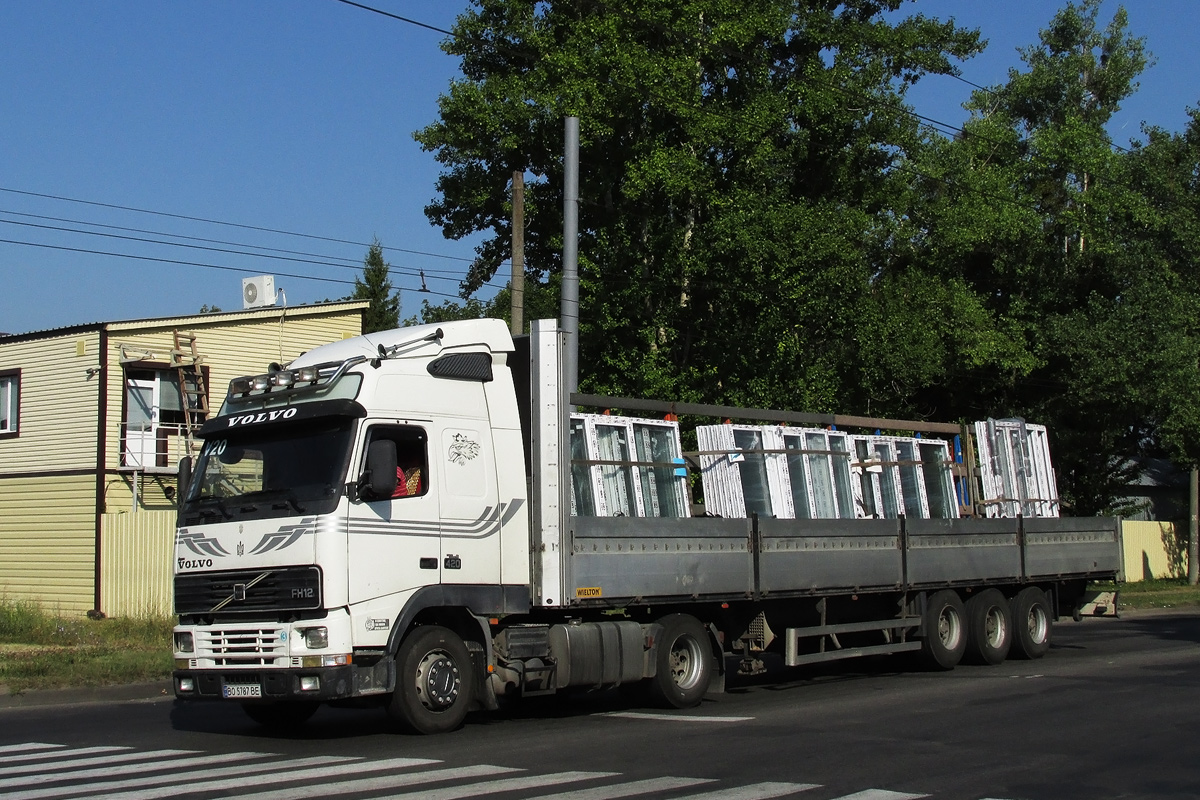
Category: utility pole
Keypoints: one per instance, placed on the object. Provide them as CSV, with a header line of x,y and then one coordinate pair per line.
x,y
569,309
518,253
1194,528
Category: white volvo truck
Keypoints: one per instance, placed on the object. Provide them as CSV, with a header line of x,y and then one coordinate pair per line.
x,y
388,520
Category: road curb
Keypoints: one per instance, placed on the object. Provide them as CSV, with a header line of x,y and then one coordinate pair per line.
x,y
86,695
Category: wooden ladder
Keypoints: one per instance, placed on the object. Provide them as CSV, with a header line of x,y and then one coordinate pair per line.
x,y
193,392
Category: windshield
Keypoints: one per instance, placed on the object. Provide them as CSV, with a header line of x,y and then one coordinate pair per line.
x,y
270,472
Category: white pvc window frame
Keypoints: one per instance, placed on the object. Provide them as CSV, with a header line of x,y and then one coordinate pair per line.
x,y
740,473
10,403
814,473
818,464
940,487
631,489
875,462
1015,469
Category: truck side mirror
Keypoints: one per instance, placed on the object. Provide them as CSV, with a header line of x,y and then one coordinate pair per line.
x,y
184,479
379,480
182,482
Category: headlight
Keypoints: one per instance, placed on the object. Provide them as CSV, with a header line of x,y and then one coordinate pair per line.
x,y
316,638
184,643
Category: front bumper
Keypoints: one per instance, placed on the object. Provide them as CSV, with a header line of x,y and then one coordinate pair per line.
x,y
332,683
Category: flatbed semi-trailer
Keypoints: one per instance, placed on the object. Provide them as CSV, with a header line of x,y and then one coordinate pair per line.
x,y
388,520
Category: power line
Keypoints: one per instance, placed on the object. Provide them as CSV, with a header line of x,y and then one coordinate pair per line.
x,y
397,16
223,222
411,271
202,265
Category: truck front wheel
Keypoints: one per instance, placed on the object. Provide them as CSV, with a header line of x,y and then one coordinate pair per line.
x,y
683,662
433,681
945,630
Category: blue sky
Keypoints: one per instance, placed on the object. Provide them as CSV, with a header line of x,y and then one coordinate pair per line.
x,y
298,116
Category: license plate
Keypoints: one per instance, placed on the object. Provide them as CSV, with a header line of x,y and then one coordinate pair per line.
x,y
242,690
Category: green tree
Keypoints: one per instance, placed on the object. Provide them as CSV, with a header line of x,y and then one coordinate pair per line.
x,y
1044,224
735,161
375,285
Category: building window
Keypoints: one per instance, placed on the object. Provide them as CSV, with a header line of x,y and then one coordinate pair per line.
x,y
10,402
155,415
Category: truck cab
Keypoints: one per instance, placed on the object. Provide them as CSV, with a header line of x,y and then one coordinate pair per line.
x,y
336,500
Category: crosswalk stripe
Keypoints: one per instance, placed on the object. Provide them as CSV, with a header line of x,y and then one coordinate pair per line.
x,y
755,791
501,785
83,751
283,776
671,717
197,776
626,789
880,794
17,748
127,769
382,782
71,763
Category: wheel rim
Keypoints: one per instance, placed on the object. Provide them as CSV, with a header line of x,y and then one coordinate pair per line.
x,y
438,681
686,662
949,628
994,628
1039,624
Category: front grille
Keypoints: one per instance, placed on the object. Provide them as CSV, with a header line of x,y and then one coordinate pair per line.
x,y
242,646
248,591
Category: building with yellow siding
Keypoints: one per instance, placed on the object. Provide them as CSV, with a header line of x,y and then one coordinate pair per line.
x,y
93,422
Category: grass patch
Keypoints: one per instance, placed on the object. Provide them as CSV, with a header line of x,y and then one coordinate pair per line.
x,y
39,650
1160,593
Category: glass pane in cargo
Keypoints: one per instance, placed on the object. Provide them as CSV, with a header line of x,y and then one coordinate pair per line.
x,y
753,469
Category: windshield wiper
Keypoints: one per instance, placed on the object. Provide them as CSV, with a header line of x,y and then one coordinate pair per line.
x,y
288,495
218,502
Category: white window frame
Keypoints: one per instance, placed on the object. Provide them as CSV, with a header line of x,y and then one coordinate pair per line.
x,y
10,403
1015,469
722,464
629,497
827,460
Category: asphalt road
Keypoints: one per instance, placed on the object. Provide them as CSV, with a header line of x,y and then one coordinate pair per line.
x,y
1112,712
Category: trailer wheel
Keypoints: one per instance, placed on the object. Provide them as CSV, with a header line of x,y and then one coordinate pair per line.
x,y
433,681
683,662
279,716
945,630
989,627
1031,623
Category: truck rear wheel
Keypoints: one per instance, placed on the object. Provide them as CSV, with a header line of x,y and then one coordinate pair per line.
x,y
1031,623
945,630
433,681
280,716
989,627
683,662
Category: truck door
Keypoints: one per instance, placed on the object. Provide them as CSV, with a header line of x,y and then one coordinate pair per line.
x,y
469,504
393,542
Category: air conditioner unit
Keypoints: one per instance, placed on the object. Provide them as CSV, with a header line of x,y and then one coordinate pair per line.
x,y
258,291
